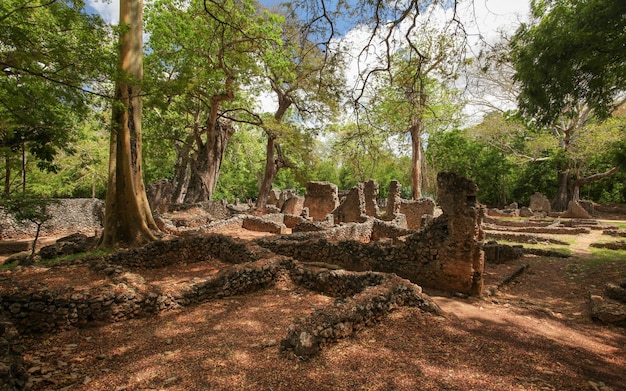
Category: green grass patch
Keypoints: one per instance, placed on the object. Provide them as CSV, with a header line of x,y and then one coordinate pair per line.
x,y
618,224
563,249
54,261
601,256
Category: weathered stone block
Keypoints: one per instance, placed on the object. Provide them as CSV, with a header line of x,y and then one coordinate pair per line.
x,y
321,199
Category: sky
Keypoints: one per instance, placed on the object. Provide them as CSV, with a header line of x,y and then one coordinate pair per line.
x,y
482,20
483,16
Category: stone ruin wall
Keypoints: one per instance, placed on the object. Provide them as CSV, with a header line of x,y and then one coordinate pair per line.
x,y
369,295
321,199
447,255
70,215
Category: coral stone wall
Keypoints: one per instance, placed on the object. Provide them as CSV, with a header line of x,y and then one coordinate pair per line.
x,y
447,256
321,199
70,215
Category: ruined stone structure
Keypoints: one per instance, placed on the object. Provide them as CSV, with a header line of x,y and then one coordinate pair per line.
x,y
321,199
293,206
366,297
540,203
370,190
576,211
393,198
447,256
415,210
73,215
352,209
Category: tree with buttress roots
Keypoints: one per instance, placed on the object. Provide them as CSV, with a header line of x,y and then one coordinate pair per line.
x,y
128,218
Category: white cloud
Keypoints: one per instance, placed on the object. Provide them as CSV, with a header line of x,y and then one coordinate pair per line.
x,y
109,10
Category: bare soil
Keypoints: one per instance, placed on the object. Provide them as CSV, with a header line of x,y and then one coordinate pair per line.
x,y
535,333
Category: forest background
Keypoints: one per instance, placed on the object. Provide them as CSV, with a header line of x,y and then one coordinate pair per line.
x,y
312,109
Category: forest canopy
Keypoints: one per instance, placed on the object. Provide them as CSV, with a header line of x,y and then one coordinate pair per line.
x,y
259,97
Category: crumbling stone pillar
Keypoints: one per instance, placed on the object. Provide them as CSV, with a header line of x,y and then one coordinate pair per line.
x,y
321,199
393,198
352,209
370,190
461,256
540,203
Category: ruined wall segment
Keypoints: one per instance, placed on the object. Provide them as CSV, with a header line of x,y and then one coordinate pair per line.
x,y
461,255
370,190
447,255
321,199
393,198
352,209
414,210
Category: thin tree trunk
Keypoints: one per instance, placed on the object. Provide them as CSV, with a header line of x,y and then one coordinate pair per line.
x,y
416,160
128,219
7,171
269,173
32,253
182,172
23,168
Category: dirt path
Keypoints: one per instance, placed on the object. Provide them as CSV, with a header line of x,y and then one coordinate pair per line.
x,y
533,334
549,301
581,247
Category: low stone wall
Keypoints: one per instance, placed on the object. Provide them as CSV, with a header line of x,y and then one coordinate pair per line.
x,y
82,215
555,230
259,224
365,297
501,253
306,337
188,250
621,245
523,238
120,300
13,373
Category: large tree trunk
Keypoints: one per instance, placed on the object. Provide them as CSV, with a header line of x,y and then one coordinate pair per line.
x,y
206,163
579,182
562,198
128,219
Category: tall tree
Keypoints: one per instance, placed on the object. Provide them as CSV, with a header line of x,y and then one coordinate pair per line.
x,y
204,54
416,95
586,39
303,77
54,57
128,218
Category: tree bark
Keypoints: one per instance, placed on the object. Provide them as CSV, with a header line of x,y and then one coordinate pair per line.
x,y
128,218
562,198
579,182
416,159
206,163
273,163
182,172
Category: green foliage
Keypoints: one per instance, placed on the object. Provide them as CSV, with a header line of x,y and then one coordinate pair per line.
x,y
52,55
243,163
586,39
487,166
532,177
